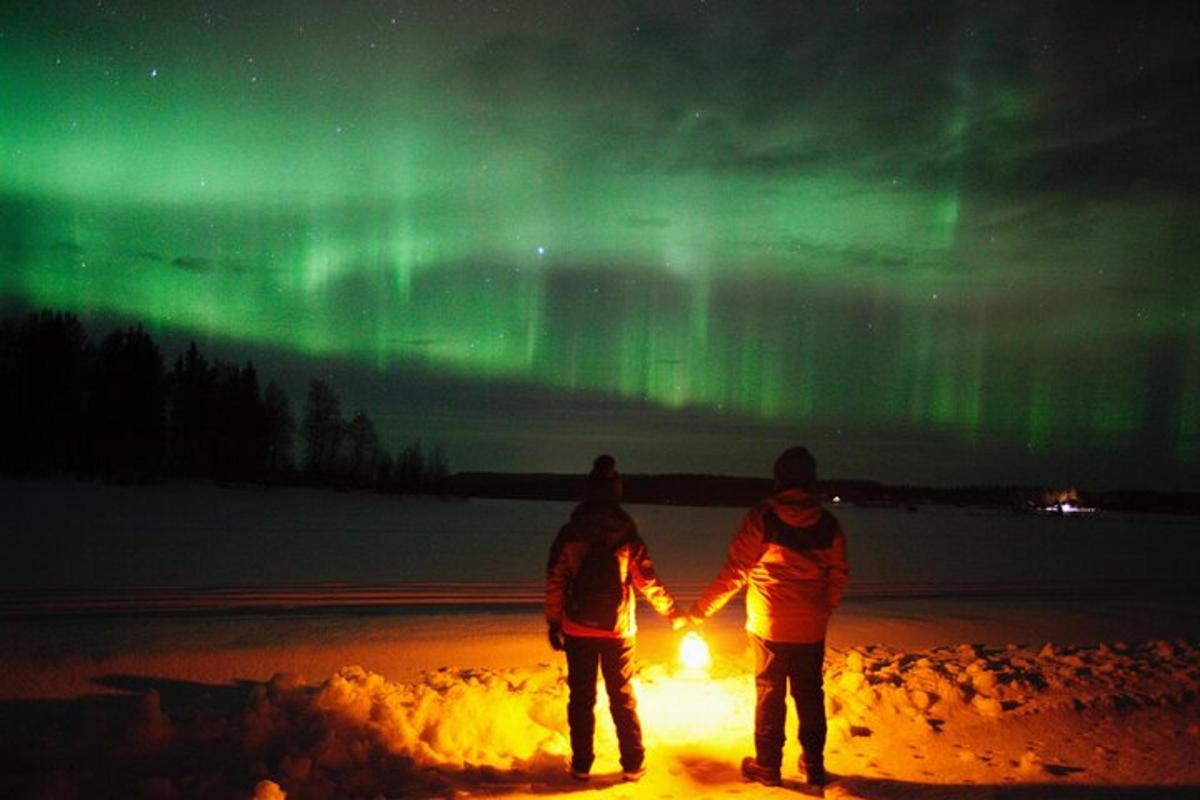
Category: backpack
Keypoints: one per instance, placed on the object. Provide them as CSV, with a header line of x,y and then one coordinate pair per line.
x,y
596,592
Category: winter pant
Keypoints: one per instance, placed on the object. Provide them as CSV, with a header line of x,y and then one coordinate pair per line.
x,y
614,657
776,664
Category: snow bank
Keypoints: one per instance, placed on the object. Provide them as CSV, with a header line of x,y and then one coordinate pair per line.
x,y
875,686
358,734
455,718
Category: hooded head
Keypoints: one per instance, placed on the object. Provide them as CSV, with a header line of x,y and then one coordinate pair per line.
x,y
603,484
795,469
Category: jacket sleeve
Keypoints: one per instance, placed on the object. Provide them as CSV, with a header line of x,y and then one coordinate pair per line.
x,y
744,552
838,571
558,575
645,579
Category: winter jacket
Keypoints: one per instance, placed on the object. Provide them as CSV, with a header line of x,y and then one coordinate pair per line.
x,y
595,522
791,553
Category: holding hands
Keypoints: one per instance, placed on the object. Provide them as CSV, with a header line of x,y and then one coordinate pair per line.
x,y
685,619
677,619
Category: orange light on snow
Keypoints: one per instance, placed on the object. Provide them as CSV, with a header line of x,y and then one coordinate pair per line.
x,y
693,652
701,699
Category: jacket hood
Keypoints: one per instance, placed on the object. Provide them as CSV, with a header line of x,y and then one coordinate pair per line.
x,y
796,507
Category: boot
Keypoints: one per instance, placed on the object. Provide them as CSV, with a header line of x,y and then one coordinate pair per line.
x,y
767,776
814,774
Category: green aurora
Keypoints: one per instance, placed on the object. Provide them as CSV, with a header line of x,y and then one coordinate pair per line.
x,y
957,227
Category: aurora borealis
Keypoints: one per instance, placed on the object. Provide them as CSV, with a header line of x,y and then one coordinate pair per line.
x,y
946,242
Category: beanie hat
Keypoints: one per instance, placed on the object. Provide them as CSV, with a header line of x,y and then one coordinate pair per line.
x,y
796,467
603,483
605,466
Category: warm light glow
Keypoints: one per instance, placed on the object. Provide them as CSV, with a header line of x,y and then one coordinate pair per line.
x,y
693,652
710,708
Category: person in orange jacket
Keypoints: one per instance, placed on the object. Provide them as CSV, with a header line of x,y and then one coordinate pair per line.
x,y
791,553
596,561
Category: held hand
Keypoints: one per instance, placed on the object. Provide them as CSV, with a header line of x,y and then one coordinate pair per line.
x,y
557,640
695,618
678,621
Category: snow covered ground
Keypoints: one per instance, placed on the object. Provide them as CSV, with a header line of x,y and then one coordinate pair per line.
x,y
1046,720
1007,672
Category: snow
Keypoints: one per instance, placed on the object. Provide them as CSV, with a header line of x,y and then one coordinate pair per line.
x,y
903,723
269,790
963,694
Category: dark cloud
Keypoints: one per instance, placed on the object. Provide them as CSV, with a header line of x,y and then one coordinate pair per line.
x,y
192,263
998,98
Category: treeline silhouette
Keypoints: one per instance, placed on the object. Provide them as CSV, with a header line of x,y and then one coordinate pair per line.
x,y
115,411
739,492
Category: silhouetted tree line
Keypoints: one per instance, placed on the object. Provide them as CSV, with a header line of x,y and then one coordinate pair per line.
x,y
114,410
739,492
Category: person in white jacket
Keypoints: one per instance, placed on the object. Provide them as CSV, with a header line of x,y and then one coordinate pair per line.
x,y
791,554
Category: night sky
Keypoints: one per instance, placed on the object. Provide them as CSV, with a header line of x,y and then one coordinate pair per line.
x,y
943,242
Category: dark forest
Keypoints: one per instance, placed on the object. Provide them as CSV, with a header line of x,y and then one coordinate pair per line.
x,y
116,411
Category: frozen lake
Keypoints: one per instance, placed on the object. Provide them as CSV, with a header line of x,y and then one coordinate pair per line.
x,y
65,537
310,580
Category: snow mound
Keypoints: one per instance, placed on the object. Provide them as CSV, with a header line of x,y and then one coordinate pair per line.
x,y
358,734
877,685
455,718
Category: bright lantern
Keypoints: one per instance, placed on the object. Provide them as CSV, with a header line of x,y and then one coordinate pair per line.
x,y
693,651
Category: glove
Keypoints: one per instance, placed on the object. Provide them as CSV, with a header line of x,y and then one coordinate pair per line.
x,y
557,640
